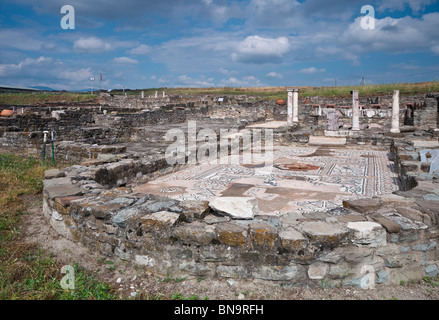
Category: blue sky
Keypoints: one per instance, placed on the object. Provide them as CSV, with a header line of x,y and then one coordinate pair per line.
x,y
216,43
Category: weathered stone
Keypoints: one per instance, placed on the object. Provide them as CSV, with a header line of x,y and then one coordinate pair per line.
x,y
431,271
235,207
60,187
323,233
53,173
232,234
390,225
238,272
196,269
362,205
195,232
399,261
352,218
276,273
194,209
317,271
145,260
158,221
262,235
405,223
382,277
122,217
368,234
292,240
170,205
396,200
408,274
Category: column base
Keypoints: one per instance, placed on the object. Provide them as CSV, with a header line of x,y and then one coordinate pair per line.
x,y
395,131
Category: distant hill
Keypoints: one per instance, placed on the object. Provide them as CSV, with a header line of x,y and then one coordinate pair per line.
x,y
42,88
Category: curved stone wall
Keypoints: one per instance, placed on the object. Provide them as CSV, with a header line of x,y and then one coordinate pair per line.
x,y
369,242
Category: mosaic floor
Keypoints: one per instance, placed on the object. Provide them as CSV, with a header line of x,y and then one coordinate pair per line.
x,y
301,179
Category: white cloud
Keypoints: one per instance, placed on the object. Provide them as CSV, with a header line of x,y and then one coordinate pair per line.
x,y
435,49
311,70
125,60
228,72
399,5
141,50
274,75
186,81
256,49
249,81
91,44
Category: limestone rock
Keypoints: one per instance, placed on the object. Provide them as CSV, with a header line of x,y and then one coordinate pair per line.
x,y
53,173
323,233
236,207
362,205
159,220
370,234
405,223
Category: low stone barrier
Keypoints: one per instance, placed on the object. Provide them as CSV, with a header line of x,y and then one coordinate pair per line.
x,y
368,242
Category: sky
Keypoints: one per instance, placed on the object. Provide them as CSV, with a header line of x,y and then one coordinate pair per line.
x,y
139,44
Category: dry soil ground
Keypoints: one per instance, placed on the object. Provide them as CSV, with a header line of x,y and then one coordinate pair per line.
x,y
134,283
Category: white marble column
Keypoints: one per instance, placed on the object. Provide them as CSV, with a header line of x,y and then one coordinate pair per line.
x,y
355,111
290,107
295,105
395,112
142,93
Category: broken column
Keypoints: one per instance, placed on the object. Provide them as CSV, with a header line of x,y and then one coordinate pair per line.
x,y
293,106
395,112
355,111
142,94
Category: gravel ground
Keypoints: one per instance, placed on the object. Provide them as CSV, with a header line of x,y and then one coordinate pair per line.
x,y
135,283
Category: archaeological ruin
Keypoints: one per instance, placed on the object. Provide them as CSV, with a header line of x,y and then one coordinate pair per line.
x,y
333,191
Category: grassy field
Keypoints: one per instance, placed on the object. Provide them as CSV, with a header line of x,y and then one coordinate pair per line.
x,y
267,93
44,97
26,271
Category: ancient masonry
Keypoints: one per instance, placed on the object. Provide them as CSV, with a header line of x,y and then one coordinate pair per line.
x,y
351,198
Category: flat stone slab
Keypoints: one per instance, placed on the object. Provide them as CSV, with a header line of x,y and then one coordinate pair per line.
x,y
53,173
368,234
362,205
324,233
60,187
236,207
405,223
426,143
159,220
320,140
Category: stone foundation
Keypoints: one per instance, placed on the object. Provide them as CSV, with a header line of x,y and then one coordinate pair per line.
x,y
368,242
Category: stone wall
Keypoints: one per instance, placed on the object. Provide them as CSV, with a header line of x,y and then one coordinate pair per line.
x,y
369,242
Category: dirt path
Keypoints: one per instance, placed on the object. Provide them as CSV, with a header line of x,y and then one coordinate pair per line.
x,y
131,281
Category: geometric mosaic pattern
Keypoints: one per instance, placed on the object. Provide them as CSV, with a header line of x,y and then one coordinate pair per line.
x,y
342,173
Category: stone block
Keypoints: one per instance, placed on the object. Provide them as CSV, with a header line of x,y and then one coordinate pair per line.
x,y
235,207
408,274
158,221
317,271
388,224
237,272
405,223
292,240
263,235
232,234
195,232
194,268
369,234
60,187
193,209
323,233
362,205
276,273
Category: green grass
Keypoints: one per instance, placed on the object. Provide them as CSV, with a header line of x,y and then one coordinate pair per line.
x,y
265,93
44,97
26,271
